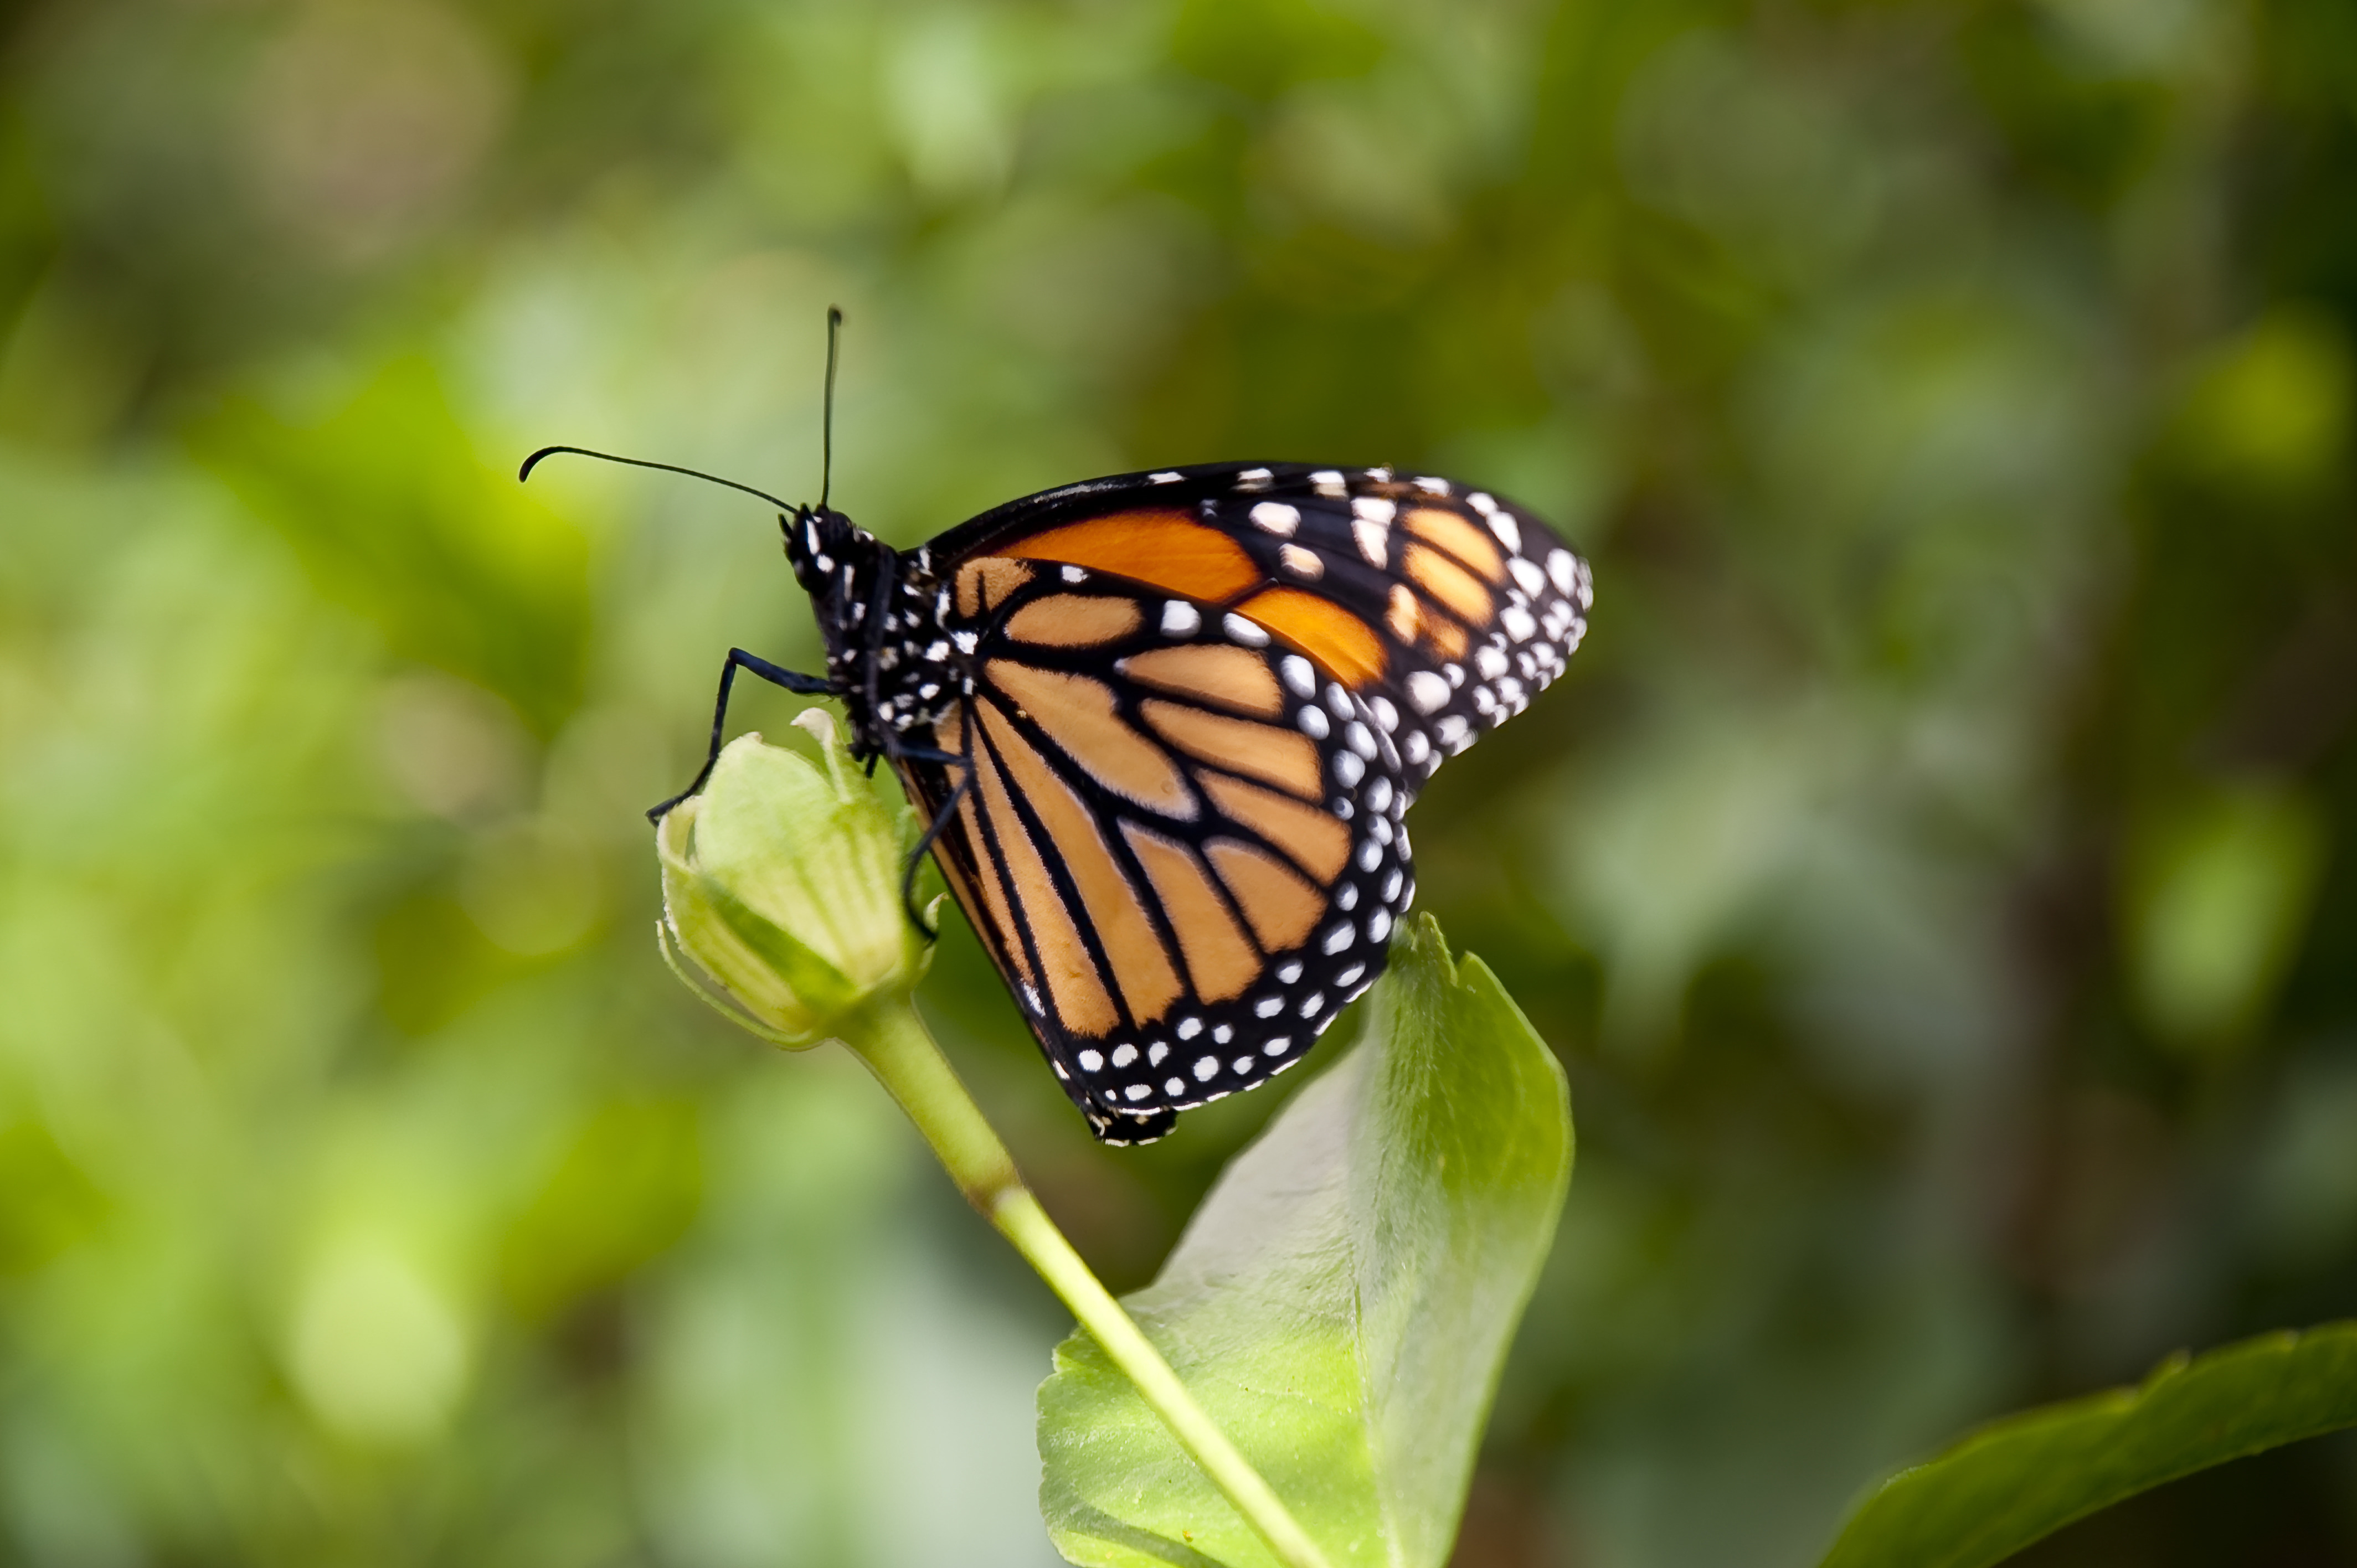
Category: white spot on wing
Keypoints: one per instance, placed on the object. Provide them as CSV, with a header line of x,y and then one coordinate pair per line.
x,y
1427,691
1275,516
1180,618
1241,631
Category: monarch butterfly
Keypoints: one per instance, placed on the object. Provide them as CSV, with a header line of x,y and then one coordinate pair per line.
x,y
1165,727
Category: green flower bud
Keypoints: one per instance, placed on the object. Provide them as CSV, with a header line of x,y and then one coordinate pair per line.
x,y
782,881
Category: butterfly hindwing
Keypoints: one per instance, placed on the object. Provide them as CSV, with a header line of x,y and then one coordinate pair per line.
x,y
1181,844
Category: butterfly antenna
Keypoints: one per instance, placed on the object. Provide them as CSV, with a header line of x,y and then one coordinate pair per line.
x,y
826,416
534,461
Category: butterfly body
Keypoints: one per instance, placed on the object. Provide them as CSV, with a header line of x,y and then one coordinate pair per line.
x,y
886,655
1166,727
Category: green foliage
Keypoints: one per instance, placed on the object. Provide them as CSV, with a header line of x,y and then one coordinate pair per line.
x,y
2223,892
397,515
1934,874
626,1188
1342,1301
2023,1478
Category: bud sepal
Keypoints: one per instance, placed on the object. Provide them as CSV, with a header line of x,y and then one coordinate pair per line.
x,y
781,882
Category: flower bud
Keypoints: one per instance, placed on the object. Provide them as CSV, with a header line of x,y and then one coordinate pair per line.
x,y
781,880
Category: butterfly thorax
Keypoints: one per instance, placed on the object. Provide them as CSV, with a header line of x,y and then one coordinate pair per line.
x,y
899,669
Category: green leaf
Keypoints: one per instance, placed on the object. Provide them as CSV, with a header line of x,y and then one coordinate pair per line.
x,y
1342,1301
2029,1474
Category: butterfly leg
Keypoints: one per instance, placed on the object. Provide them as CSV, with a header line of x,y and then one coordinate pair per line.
x,y
962,759
917,855
777,675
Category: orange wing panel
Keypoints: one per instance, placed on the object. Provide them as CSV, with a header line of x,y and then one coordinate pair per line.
x,y
1461,539
1457,589
1162,546
1345,645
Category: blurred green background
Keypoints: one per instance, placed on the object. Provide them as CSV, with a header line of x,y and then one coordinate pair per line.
x,y
1936,873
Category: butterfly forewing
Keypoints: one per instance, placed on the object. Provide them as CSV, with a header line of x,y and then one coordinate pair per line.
x,y
1446,608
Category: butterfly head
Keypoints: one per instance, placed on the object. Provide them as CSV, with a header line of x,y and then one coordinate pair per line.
x,y
837,562
822,542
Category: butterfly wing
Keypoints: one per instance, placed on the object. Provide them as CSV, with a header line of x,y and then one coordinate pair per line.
x,y
1200,704
1165,860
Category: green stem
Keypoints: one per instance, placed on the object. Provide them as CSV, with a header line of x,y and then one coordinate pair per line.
x,y
894,1043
